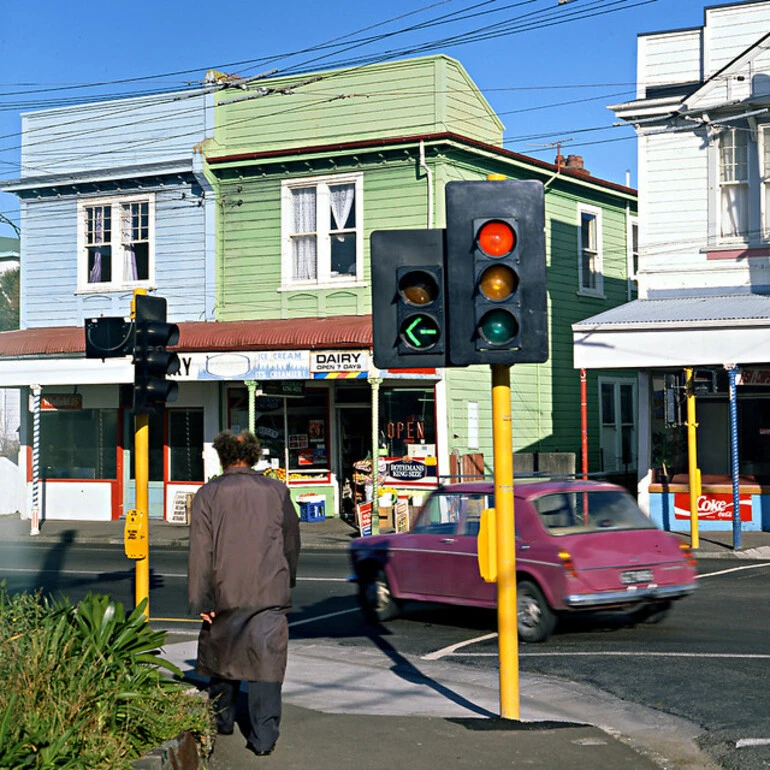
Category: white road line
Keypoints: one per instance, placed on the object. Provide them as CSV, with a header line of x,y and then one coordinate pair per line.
x,y
743,742
733,569
322,617
451,650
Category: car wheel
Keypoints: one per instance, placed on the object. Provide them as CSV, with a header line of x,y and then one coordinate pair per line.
x,y
536,620
651,613
376,599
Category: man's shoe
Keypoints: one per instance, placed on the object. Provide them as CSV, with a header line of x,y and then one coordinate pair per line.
x,y
259,753
224,730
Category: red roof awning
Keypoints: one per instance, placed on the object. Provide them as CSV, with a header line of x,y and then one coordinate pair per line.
x,y
346,332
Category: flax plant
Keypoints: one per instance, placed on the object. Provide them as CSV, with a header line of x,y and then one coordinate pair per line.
x,y
85,687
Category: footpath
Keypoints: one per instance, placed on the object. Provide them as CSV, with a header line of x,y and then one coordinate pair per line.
x,y
379,709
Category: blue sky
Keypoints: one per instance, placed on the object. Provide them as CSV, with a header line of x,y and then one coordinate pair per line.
x,y
548,67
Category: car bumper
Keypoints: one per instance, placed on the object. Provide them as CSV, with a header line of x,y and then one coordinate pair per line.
x,y
630,595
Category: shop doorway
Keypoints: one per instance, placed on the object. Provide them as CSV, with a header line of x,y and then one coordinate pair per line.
x,y
354,443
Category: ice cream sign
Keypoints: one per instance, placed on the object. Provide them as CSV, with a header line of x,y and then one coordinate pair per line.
x,y
712,507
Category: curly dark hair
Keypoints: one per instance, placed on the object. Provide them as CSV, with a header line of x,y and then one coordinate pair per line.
x,y
243,447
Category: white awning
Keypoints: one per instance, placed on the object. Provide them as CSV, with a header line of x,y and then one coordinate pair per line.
x,y
676,332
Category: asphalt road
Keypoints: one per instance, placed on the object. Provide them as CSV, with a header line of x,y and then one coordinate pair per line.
x,y
708,661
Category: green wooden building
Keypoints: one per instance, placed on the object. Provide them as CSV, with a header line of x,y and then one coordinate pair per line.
x,y
304,168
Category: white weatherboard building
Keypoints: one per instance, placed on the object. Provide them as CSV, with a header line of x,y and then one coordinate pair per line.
x,y
702,115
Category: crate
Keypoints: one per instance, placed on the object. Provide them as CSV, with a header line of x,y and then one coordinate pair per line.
x,y
312,508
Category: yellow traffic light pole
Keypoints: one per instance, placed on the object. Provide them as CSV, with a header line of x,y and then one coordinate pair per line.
x,y
139,522
142,476
692,459
507,624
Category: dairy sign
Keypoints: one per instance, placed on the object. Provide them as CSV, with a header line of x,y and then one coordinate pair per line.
x,y
712,507
339,363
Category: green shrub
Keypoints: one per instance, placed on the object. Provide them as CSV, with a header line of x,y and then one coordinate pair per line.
x,y
84,686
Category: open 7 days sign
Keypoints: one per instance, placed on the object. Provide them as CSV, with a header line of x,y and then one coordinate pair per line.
x,y
711,507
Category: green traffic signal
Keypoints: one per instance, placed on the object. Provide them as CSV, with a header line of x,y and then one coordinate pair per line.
x,y
498,327
420,332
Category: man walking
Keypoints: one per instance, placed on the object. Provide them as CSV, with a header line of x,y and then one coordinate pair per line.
x,y
244,546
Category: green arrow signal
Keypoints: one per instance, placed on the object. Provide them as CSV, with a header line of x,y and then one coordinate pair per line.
x,y
420,331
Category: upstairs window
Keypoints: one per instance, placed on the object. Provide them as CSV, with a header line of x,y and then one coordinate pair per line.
x,y
322,231
734,184
116,239
590,254
633,250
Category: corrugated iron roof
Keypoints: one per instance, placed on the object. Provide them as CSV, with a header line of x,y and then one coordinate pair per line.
x,y
347,332
683,312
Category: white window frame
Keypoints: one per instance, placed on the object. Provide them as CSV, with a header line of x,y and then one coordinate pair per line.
x,y
324,278
763,135
597,289
611,434
633,253
118,282
737,184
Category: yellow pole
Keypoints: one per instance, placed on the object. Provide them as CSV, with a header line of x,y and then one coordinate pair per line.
x,y
507,625
693,471
142,482
141,465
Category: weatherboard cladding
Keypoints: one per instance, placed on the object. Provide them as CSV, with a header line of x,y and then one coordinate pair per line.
x,y
347,332
684,312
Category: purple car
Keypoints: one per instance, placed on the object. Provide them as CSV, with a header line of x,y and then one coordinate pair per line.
x,y
581,546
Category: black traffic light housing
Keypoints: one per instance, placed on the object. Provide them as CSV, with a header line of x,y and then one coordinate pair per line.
x,y
152,362
496,272
408,298
109,337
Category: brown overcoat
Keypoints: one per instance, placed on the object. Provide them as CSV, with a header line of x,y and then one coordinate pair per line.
x,y
242,563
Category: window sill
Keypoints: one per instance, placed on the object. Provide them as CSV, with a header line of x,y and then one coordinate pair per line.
x,y
737,252
323,285
590,293
113,288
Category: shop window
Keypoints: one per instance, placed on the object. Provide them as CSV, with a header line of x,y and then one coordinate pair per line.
x,y
78,444
304,420
407,416
322,221
185,445
754,435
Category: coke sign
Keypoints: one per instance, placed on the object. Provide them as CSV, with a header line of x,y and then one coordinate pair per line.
x,y
712,507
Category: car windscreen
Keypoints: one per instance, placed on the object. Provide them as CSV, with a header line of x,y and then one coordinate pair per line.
x,y
565,513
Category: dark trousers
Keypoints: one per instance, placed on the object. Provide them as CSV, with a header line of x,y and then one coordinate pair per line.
x,y
264,709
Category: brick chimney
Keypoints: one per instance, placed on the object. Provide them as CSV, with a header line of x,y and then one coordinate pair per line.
x,y
575,164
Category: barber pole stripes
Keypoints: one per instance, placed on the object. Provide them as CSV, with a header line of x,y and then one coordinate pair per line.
x,y
35,514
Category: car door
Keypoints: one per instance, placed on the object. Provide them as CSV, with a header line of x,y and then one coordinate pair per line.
x,y
422,560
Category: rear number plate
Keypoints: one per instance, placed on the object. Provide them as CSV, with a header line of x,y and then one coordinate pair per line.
x,y
636,576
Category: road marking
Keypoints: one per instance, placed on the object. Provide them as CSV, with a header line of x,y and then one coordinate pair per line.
x,y
322,617
451,650
739,656
743,742
733,569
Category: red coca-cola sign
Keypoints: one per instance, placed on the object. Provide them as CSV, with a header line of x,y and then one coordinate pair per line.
x,y
712,507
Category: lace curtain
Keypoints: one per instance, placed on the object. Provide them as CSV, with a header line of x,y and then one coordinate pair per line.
x,y
95,275
128,232
304,247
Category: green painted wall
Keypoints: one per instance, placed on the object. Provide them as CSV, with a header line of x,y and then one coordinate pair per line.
x,y
403,98
437,95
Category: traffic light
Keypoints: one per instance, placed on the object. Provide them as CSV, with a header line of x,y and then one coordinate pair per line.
x,y
408,298
110,337
152,362
496,273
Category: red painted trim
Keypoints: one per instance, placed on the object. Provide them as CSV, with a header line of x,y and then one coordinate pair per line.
x,y
738,253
